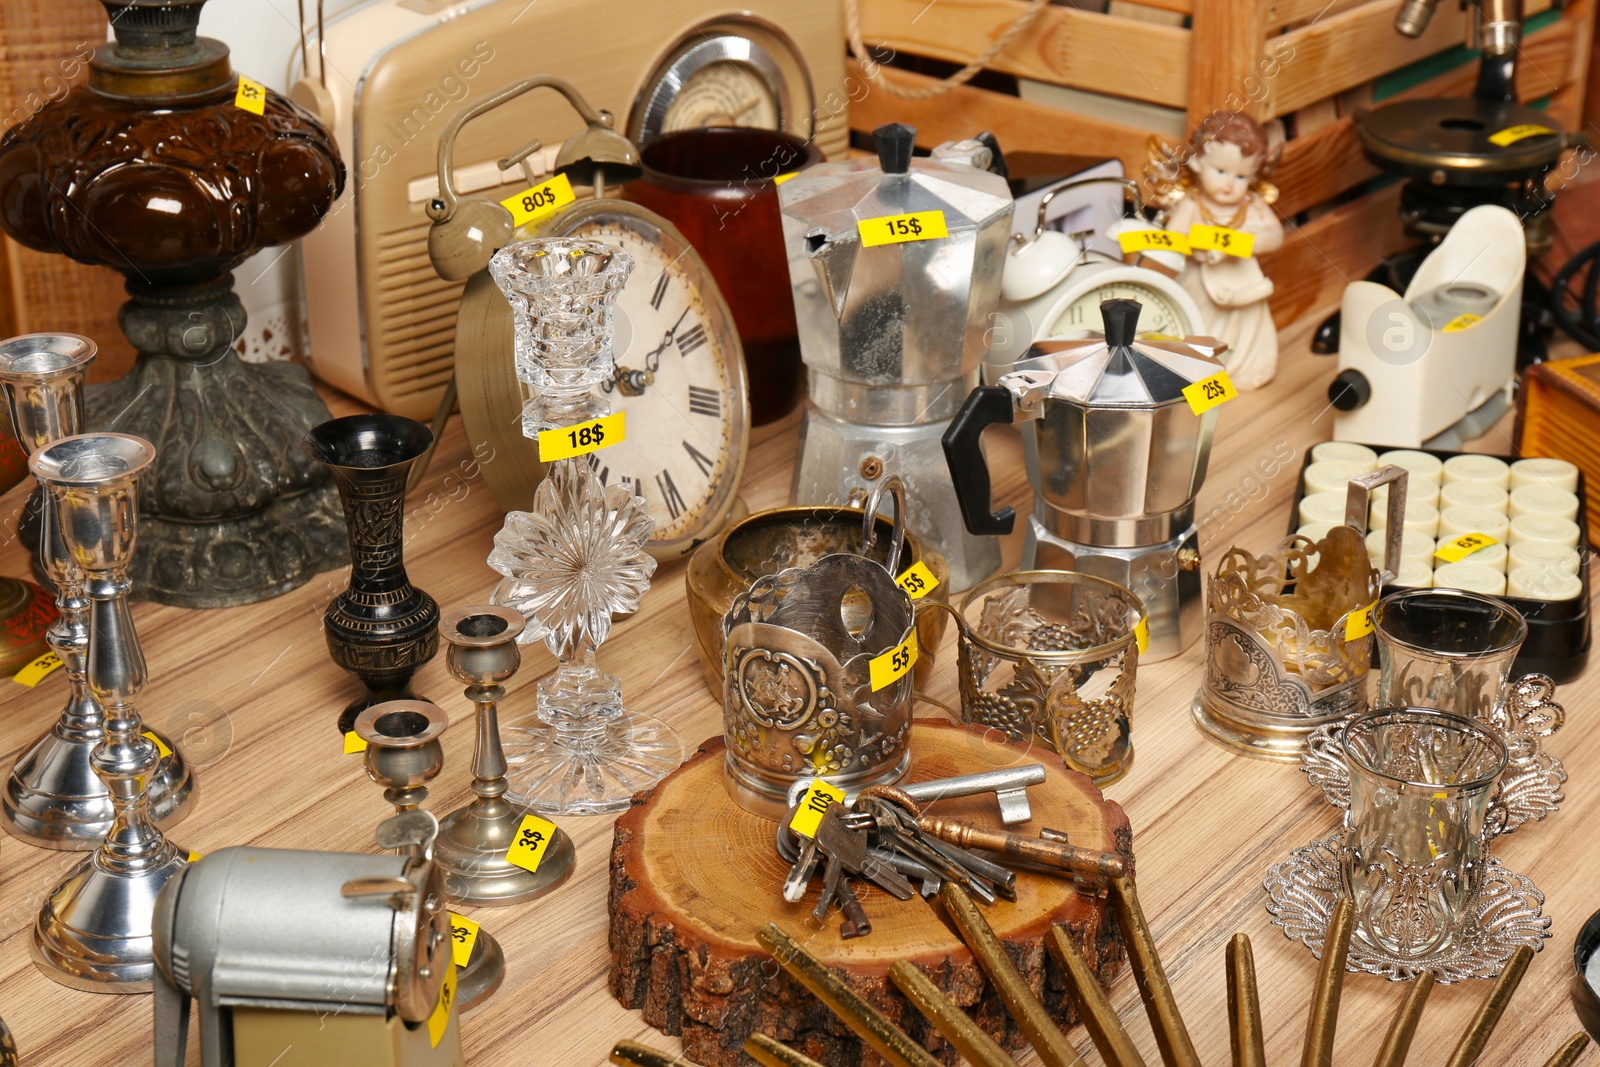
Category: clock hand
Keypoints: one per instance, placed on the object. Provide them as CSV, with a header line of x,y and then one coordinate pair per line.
x,y
628,382
652,359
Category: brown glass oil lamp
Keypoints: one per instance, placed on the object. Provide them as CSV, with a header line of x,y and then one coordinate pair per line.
x,y
161,168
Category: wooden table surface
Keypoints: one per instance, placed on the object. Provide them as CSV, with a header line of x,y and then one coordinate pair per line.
x,y
251,694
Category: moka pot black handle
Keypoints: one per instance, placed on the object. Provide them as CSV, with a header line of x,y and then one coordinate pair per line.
x,y
969,471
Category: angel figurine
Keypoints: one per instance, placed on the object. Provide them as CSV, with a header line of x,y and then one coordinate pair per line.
x,y
1217,180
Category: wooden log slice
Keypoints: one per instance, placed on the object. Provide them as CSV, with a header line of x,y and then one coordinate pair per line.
x,y
693,877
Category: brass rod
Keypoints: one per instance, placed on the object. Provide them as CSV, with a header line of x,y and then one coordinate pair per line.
x,y
958,1028
772,1053
633,1054
1244,1005
1172,1038
1042,1032
1098,1016
1404,1027
1324,1020
1568,1053
1057,854
870,1024
1494,1005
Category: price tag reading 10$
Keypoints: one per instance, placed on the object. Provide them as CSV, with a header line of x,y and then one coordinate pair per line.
x,y
1209,392
532,842
819,797
898,229
918,581
567,441
890,667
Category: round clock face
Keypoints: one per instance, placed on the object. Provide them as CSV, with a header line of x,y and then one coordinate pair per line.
x,y
679,375
734,72
1161,314
726,93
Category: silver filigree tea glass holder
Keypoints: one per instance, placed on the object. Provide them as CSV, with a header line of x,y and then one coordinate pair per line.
x,y
577,558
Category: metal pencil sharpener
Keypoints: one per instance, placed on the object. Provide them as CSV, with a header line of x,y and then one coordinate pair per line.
x,y
303,959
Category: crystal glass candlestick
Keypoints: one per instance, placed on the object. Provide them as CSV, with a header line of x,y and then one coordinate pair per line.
x,y
578,558
53,797
93,932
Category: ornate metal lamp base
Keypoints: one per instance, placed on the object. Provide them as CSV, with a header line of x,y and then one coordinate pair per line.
x,y
471,848
94,931
485,970
54,799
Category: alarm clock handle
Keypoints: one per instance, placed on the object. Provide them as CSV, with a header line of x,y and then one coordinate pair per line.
x,y
969,471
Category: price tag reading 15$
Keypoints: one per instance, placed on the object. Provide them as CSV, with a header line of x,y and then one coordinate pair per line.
x,y
1135,241
890,667
1209,392
531,843
818,798
917,580
567,441
898,229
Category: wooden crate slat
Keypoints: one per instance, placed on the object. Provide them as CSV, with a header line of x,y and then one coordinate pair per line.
x,y
1290,14
1229,38
1079,49
1319,259
1182,7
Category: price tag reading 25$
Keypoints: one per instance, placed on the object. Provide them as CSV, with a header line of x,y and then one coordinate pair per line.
x,y
898,229
890,667
567,441
1209,392
531,843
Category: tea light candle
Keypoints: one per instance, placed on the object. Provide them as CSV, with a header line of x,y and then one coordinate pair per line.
x,y
1453,522
1316,530
1543,500
1422,467
1473,495
1544,528
1485,469
1492,556
1544,583
1414,574
1419,518
1544,554
1331,476
1555,473
1412,546
1322,507
1422,492
1471,577
1345,452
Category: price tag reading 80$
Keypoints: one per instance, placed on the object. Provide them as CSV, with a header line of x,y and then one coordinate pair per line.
x,y
564,442
531,843
539,201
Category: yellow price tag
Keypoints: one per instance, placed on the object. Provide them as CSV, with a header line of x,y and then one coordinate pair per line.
x,y
439,1021
1512,134
1358,624
532,841
780,179
194,857
819,797
251,97
898,229
35,672
1209,392
890,667
1141,635
1221,239
918,581
1464,321
567,441
1461,547
540,200
161,746
353,743
1135,241
463,935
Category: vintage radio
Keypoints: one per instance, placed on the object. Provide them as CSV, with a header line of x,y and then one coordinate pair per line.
x,y
395,72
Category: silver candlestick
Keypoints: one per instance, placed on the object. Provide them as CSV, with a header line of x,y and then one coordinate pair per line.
x,y
53,797
473,840
93,932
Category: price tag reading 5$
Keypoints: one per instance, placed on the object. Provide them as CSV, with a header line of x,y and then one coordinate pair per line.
x,y
532,842
1358,624
568,441
1221,239
898,229
918,581
1460,548
818,798
36,671
251,97
1209,392
539,201
890,667
463,935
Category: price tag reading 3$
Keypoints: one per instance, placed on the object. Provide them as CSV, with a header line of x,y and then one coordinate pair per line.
x,y
818,798
251,97
35,672
1221,239
1358,624
439,1021
567,441
1135,241
890,667
1461,547
539,201
918,581
463,935
532,842
1208,393
898,229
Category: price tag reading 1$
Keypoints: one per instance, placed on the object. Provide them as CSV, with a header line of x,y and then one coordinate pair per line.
x,y
439,1021
1461,547
532,841
463,935
890,667
540,200
1512,134
1208,393
1358,624
819,797
898,229
568,441
251,97
1153,241
35,672
918,581
1221,239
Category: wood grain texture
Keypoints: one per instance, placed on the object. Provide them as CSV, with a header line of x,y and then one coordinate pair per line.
x,y
684,950
1228,40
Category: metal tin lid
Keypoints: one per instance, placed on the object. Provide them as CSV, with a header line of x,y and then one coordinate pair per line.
x,y
1473,141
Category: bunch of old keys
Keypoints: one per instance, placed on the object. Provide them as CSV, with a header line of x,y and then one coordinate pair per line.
x,y
881,835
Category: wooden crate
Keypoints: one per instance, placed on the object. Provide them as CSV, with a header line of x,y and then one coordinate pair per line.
x,y
1306,61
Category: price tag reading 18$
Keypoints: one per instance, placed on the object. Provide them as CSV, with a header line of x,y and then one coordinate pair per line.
x,y
1209,392
918,581
463,935
439,1021
532,841
251,97
540,200
1358,624
1221,239
818,798
36,671
898,229
1460,548
890,667
568,441
1153,241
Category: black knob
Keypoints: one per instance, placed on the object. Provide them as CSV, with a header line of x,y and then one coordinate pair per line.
x,y
895,142
1349,390
997,159
1121,319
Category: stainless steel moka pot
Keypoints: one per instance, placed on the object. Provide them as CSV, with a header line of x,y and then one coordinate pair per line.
x,y
1115,454
893,333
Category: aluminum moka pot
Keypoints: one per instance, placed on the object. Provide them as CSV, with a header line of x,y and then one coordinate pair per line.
x,y
1116,454
892,331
